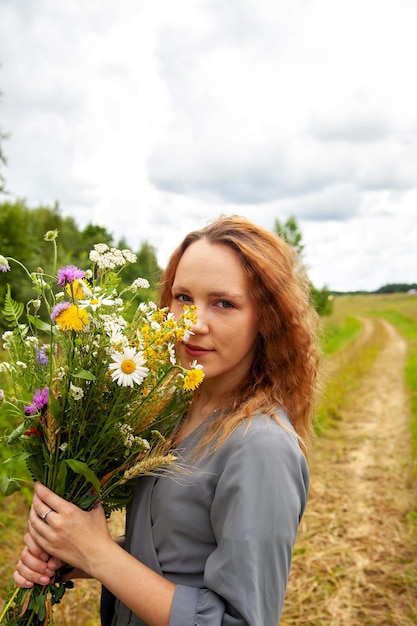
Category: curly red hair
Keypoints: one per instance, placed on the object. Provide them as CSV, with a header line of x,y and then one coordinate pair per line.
x,y
286,362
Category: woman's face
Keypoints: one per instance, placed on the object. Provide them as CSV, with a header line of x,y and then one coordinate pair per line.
x,y
211,277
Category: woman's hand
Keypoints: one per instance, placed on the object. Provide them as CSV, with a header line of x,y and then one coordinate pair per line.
x,y
35,565
62,530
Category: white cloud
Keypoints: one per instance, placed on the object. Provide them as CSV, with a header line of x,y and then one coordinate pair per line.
x,y
152,117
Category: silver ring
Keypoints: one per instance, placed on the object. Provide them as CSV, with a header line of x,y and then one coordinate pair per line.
x,y
43,516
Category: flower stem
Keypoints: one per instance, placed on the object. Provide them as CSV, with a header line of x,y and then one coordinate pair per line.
x,y
8,604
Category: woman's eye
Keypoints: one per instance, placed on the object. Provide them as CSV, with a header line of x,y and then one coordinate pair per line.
x,y
224,304
182,297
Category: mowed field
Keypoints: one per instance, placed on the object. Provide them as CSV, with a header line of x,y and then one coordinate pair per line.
x,y
355,560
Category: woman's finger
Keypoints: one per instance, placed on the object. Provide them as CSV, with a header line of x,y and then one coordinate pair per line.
x,y
27,571
41,508
32,562
20,581
44,496
34,557
34,548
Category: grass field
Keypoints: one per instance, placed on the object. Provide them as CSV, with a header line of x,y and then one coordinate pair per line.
x,y
347,360
344,325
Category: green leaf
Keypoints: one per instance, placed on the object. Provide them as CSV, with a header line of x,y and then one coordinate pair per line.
x,y
9,485
22,456
53,404
16,433
86,501
39,324
85,374
35,466
41,607
61,478
12,310
79,467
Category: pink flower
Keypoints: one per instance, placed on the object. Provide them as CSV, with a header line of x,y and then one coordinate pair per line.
x,y
40,401
68,274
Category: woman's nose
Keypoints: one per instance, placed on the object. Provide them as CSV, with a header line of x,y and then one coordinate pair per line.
x,y
201,326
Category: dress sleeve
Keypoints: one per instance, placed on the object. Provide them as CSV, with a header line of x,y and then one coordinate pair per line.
x,y
259,500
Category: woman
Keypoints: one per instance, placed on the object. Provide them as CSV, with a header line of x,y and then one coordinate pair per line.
x,y
212,546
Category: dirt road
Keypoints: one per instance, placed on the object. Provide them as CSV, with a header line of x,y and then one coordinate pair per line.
x,y
355,559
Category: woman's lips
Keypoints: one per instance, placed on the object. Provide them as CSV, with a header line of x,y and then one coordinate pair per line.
x,y
196,351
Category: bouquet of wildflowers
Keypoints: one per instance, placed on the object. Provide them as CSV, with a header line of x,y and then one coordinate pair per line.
x,y
94,382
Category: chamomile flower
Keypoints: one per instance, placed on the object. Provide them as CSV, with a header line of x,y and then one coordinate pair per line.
x,y
95,302
118,341
128,367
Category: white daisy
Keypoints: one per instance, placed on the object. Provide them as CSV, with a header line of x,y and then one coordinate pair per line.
x,y
117,339
95,302
128,367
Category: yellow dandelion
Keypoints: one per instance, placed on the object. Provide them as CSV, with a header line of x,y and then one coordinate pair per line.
x,y
72,318
78,289
193,378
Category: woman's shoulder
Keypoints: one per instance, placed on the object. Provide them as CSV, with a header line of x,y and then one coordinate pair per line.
x,y
266,449
268,432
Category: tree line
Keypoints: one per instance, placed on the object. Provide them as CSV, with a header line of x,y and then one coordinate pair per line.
x,y
22,232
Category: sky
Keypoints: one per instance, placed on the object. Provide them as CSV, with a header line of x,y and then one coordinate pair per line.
x,y
154,117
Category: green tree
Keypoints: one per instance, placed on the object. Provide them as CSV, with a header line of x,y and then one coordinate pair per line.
x,y
22,231
322,300
289,231
18,241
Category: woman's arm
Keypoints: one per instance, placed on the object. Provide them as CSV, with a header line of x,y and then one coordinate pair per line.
x,y
82,540
259,498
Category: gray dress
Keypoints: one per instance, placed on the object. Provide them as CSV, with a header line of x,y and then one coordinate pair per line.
x,y
224,528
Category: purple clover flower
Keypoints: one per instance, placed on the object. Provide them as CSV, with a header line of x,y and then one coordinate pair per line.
x,y
40,397
68,274
30,409
58,308
39,402
41,357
